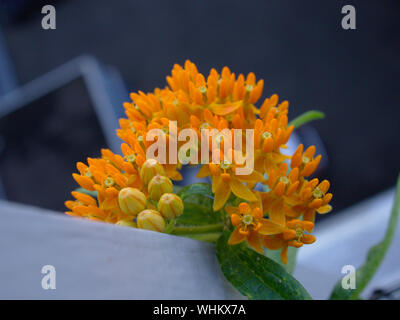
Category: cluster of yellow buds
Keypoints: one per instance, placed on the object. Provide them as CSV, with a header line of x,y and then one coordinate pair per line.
x,y
128,185
147,205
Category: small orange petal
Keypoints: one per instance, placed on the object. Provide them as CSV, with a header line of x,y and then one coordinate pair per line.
x,y
269,228
236,219
254,240
273,242
280,188
308,239
289,234
324,209
244,208
84,182
316,203
236,237
284,256
324,186
241,191
231,210
222,193
295,244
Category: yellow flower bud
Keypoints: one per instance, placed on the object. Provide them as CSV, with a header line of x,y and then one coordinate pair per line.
x,y
127,223
131,201
170,206
149,169
151,220
158,186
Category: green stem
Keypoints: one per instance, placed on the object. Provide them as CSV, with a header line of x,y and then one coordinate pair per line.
x,y
180,230
208,237
306,117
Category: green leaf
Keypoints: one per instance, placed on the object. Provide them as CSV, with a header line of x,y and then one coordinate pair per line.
x,y
306,117
374,258
255,275
198,202
276,256
198,220
177,189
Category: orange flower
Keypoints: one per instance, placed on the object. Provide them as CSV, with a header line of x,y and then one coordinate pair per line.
x,y
86,206
222,94
270,136
250,225
313,197
107,175
225,102
283,186
306,162
293,235
225,180
269,107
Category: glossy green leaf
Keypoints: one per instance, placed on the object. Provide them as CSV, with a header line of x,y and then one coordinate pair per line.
x,y
198,202
306,117
255,275
276,256
198,220
374,258
177,189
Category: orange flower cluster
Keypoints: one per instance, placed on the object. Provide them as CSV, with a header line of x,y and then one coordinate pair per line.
x,y
219,101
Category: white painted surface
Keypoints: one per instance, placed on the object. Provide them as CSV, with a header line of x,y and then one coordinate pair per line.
x,y
103,261
345,239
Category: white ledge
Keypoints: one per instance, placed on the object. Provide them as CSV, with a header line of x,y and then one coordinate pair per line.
x,y
101,261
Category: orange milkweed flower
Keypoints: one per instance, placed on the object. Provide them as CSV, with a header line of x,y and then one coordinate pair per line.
x,y
270,135
270,106
215,101
313,197
250,226
222,94
282,185
295,234
225,180
305,161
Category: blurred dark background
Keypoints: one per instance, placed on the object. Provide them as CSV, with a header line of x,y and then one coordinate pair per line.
x,y
298,47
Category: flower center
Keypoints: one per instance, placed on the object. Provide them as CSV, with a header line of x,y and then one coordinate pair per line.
x,y
299,233
175,102
205,125
266,135
249,87
285,180
225,165
88,173
109,182
247,219
317,193
305,159
203,89
131,158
